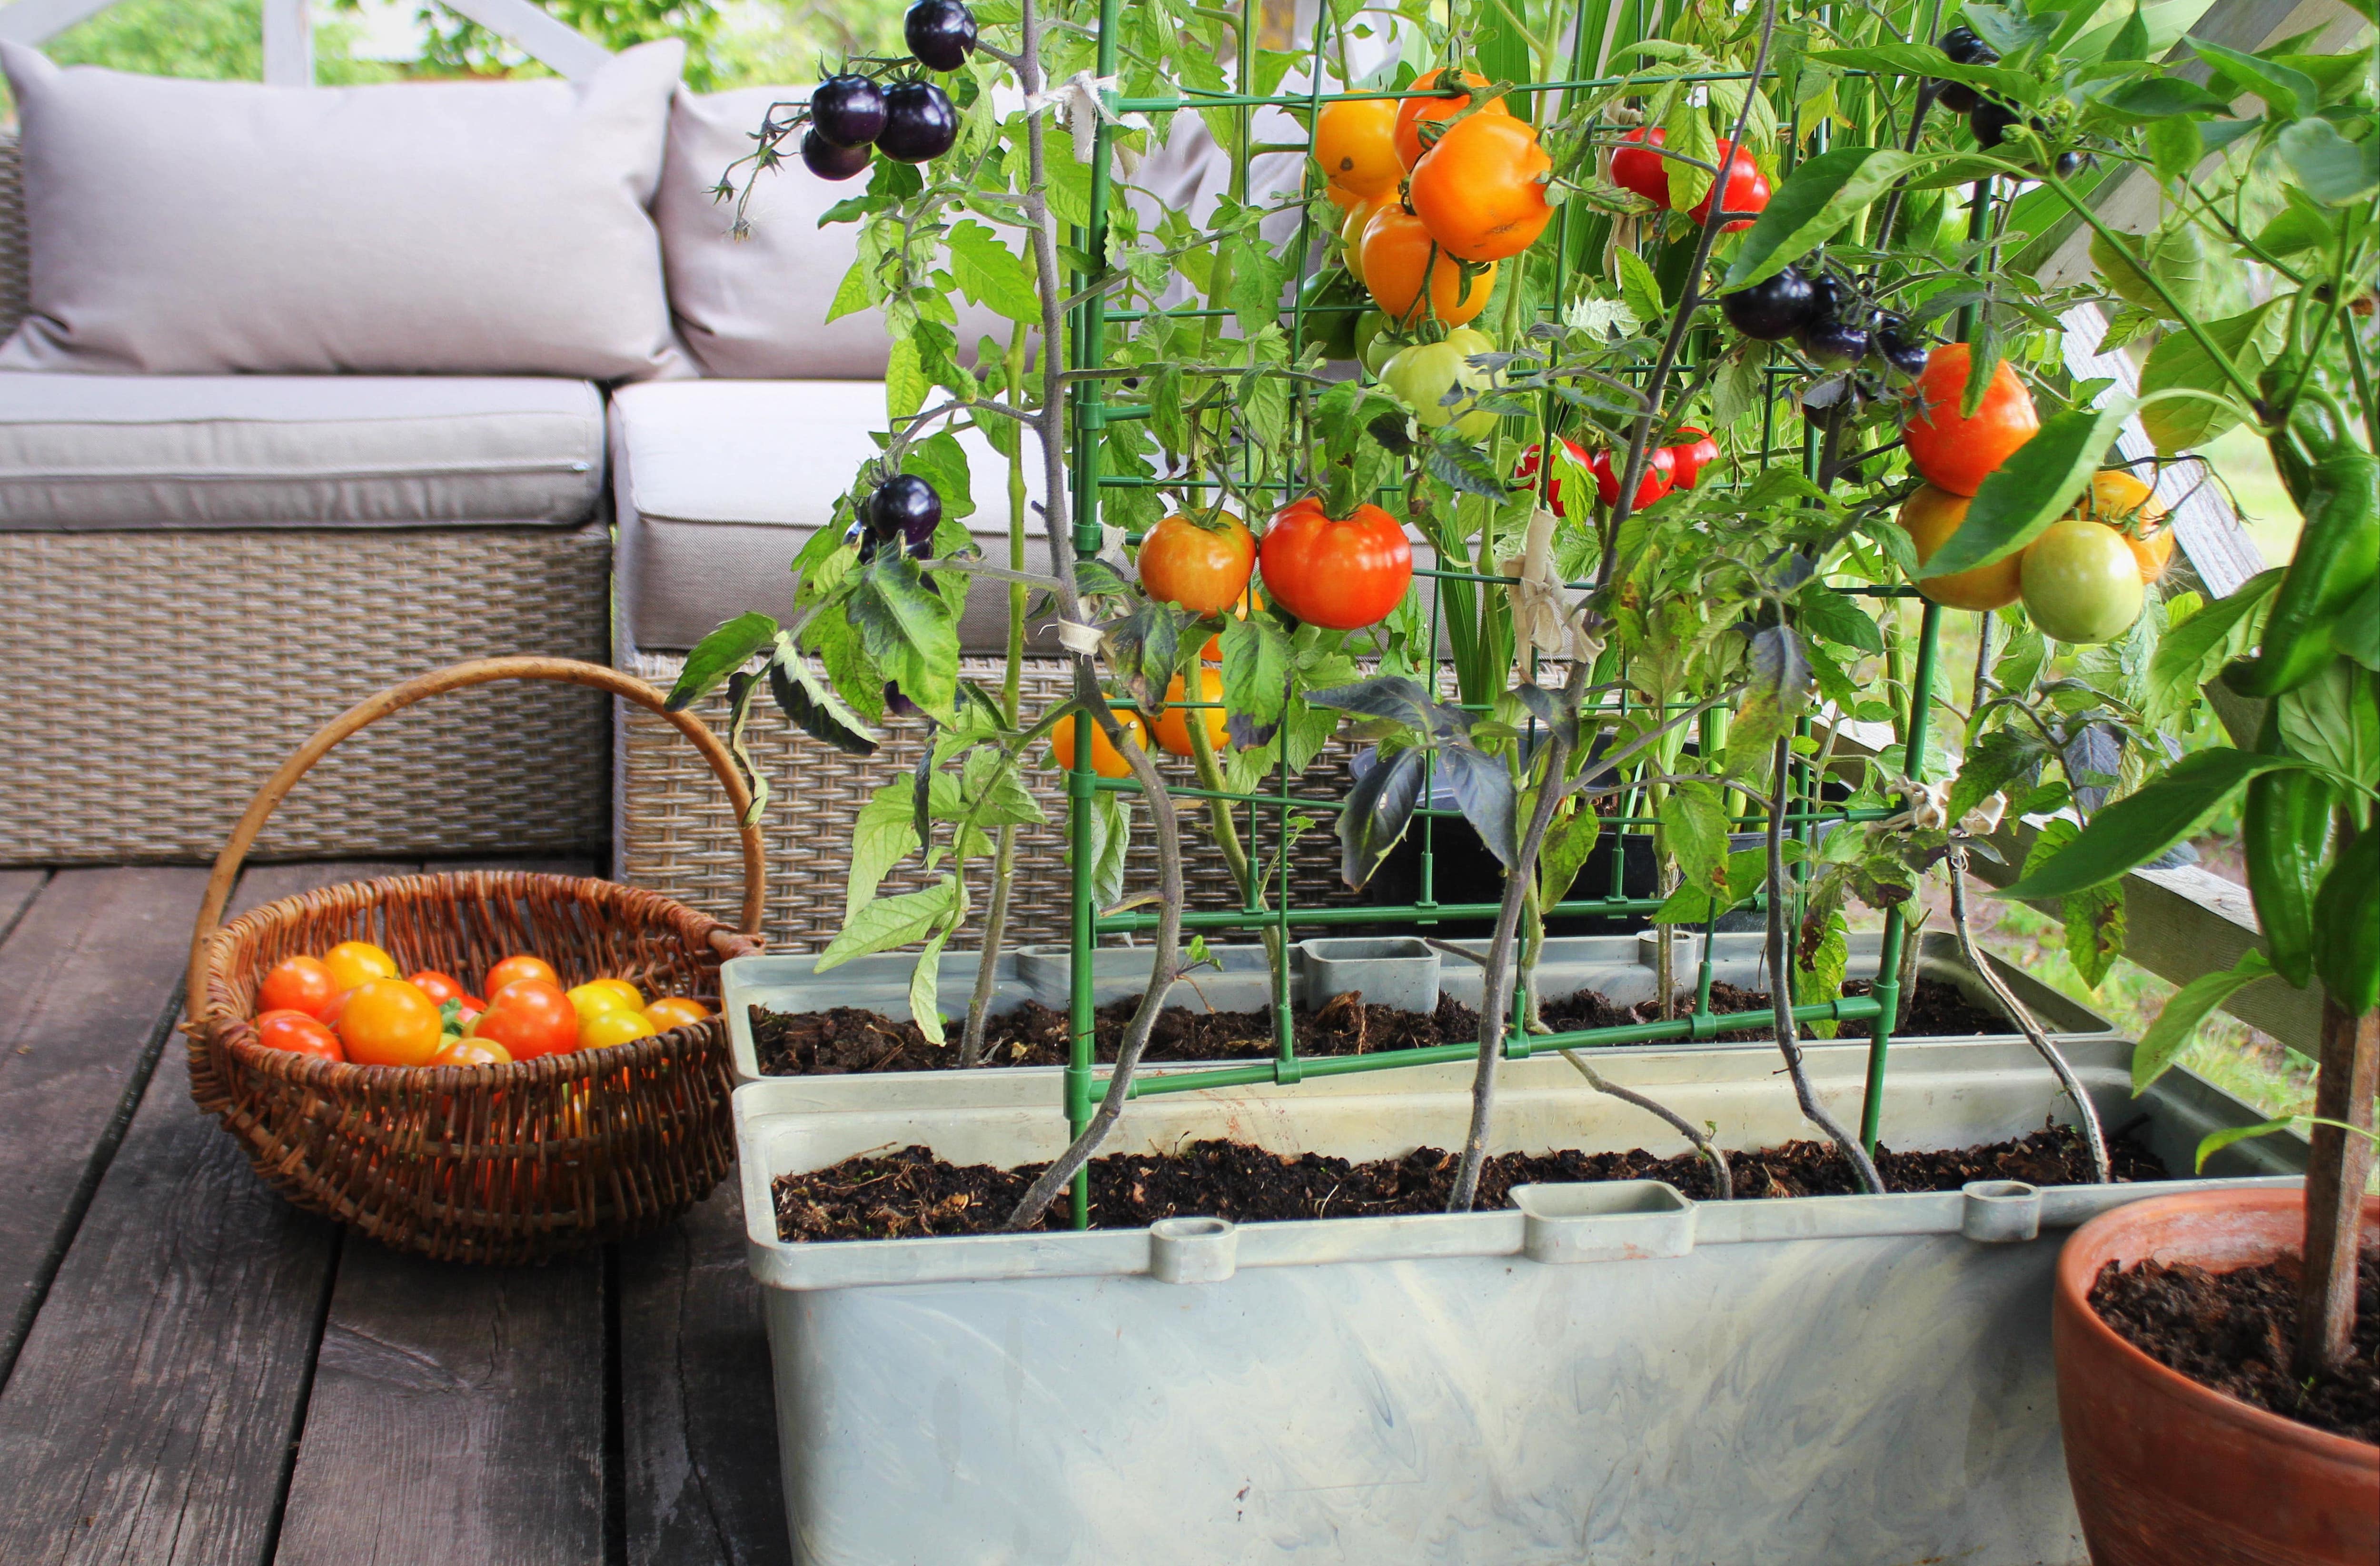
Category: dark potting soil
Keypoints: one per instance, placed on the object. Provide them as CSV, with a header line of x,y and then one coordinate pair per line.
x,y
912,1192
2233,1331
848,1040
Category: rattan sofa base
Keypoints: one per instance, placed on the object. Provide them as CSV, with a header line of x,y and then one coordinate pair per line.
x,y
674,834
150,680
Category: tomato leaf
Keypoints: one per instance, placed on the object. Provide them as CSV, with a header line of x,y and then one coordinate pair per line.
x,y
991,273
2145,823
2093,917
1378,808
924,984
716,656
2177,424
1694,827
2038,484
2176,1025
1256,669
1818,198
908,630
1483,791
812,705
2215,1142
887,922
1568,843
2333,170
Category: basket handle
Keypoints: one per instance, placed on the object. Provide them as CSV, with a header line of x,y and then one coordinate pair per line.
x,y
461,676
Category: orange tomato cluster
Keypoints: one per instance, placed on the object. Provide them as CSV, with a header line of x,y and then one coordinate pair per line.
x,y
1433,201
350,1003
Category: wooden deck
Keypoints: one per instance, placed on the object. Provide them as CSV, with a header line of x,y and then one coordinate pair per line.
x,y
194,1373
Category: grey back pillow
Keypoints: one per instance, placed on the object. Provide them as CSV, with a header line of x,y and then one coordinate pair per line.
x,y
205,227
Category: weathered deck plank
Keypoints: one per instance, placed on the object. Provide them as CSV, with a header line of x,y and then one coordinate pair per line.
x,y
154,1404
17,890
698,1413
90,975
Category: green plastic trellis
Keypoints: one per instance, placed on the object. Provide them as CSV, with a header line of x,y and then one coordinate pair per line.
x,y
1091,411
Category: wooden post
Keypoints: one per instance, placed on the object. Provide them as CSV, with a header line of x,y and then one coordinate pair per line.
x,y
2336,1169
288,43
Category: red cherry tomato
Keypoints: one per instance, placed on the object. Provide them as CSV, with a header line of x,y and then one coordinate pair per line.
x,y
297,984
299,1034
1650,486
1641,169
529,1018
519,966
1551,489
1688,457
440,987
1745,189
1955,453
1341,574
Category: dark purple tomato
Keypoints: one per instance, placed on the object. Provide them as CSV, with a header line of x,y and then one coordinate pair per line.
x,y
1898,347
1835,343
2071,163
940,33
828,161
1964,48
897,704
1772,308
920,122
1831,299
906,507
1991,122
847,111
1957,97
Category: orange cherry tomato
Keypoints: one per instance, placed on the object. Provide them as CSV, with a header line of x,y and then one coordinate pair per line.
x,y
1174,723
1351,235
675,1010
1954,453
519,966
297,984
299,1034
1411,112
388,1022
472,1052
1399,252
1355,142
529,1018
1345,200
1106,759
1213,652
440,987
352,961
1203,568
1931,516
1341,574
1481,190
2125,503
1744,188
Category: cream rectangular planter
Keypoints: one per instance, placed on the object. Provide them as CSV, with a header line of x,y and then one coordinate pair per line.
x,y
1623,968
1606,1374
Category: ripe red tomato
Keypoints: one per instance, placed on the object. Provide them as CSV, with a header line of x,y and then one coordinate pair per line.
x,y
1551,489
519,966
388,1022
439,987
1688,457
299,1034
1954,453
1341,574
1744,189
1650,486
529,1018
297,984
1639,168
1205,569
1481,190
1411,112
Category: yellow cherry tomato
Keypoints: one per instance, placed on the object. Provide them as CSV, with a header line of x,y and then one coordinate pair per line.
x,y
607,995
674,1010
599,1029
357,962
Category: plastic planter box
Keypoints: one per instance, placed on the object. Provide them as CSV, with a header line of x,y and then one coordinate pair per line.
x,y
1623,967
1606,1374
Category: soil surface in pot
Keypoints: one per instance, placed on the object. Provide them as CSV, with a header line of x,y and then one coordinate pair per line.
x,y
848,1040
912,1192
2233,1331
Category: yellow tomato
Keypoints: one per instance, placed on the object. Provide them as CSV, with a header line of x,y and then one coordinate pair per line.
x,y
674,1010
597,1030
607,995
357,962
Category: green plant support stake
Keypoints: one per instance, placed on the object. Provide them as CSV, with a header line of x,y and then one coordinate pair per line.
x,y
1888,962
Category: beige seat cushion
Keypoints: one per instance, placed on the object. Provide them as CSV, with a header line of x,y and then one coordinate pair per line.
x,y
719,483
465,228
756,308
223,451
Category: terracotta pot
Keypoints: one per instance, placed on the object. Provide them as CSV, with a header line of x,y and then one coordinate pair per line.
x,y
2168,1473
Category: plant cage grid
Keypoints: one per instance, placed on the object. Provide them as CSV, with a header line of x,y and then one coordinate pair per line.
x,y
1089,412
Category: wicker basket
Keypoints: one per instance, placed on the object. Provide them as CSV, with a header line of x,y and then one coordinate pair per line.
x,y
496,1164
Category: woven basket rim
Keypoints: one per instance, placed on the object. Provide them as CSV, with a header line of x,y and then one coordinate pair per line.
x,y
224,1023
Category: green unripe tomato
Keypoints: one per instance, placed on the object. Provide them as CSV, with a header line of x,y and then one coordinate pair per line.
x,y
1424,373
1373,346
2081,582
1331,300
